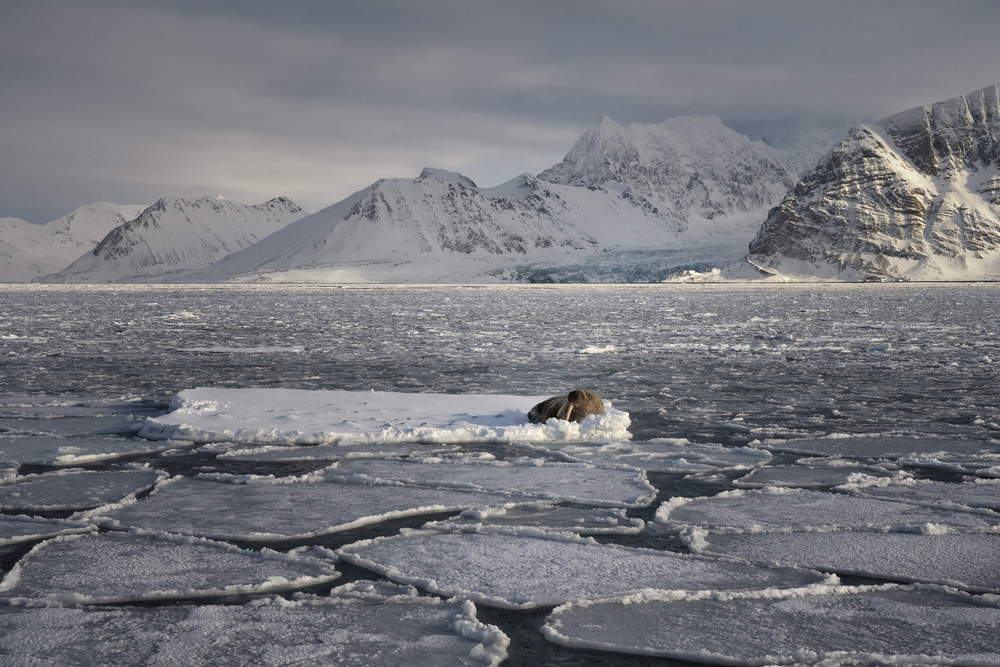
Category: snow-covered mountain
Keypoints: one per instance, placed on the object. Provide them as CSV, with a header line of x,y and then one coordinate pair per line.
x,y
627,204
28,251
174,235
914,196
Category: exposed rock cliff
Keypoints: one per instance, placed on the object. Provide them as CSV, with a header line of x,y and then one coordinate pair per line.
x,y
915,196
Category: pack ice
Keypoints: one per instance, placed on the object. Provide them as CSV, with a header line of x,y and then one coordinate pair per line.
x,y
74,489
289,416
664,455
359,624
123,567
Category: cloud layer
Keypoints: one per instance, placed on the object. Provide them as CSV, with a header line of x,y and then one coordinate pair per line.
x,y
128,101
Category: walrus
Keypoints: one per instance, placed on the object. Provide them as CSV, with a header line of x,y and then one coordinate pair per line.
x,y
573,407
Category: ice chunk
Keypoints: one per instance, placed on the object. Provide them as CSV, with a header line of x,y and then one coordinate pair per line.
x,y
19,529
963,560
123,567
810,475
561,482
667,456
279,509
50,450
525,569
879,446
602,521
290,416
282,454
924,491
369,628
772,511
74,489
892,625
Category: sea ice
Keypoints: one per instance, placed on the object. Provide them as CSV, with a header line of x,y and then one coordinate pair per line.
x,y
351,627
19,529
54,451
559,482
667,456
278,508
600,521
879,446
829,626
74,489
527,568
777,510
963,560
123,567
284,454
930,492
809,475
290,416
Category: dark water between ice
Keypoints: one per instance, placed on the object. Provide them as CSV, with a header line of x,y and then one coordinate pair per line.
x,y
713,364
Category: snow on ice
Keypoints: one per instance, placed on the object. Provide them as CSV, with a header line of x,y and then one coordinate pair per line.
x,y
359,623
834,625
120,567
599,521
285,454
528,568
58,451
288,416
19,529
74,489
665,456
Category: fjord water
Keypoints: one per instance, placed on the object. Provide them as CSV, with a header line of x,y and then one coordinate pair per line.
x,y
723,364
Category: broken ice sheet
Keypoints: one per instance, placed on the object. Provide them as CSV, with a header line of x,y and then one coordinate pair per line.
x,y
54,451
833,626
981,493
282,454
526,569
800,475
600,521
19,529
228,507
962,560
352,627
292,416
561,482
662,455
777,510
74,489
879,446
123,567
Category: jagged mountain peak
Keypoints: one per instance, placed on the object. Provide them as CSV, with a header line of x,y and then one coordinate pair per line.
x,y
451,176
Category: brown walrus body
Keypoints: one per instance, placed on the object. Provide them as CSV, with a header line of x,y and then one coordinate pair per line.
x,y
573,407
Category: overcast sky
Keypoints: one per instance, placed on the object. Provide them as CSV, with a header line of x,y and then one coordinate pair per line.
x,y
130,101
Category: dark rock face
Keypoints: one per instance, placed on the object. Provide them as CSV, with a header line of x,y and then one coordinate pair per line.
x,y
914,196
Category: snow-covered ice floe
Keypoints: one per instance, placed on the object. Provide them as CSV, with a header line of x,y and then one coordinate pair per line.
x,y
558,482
582,521
783,510
663,455
74,489
289,453
979,493
359,624
529,568
20,529
814,473
873,447
246,508
58,451
832,625
292,416
124,567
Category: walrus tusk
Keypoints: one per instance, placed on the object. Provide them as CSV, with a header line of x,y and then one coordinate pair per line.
x,y
569,410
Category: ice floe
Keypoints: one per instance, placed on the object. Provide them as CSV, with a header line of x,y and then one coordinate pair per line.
x,y
119,567
562,482
778,510
664,455
285,454
834,472
19,529
874,447
980,493
58,451
74,489
582,521
359,624
827,626
244,508
962,560
528,568
290,416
